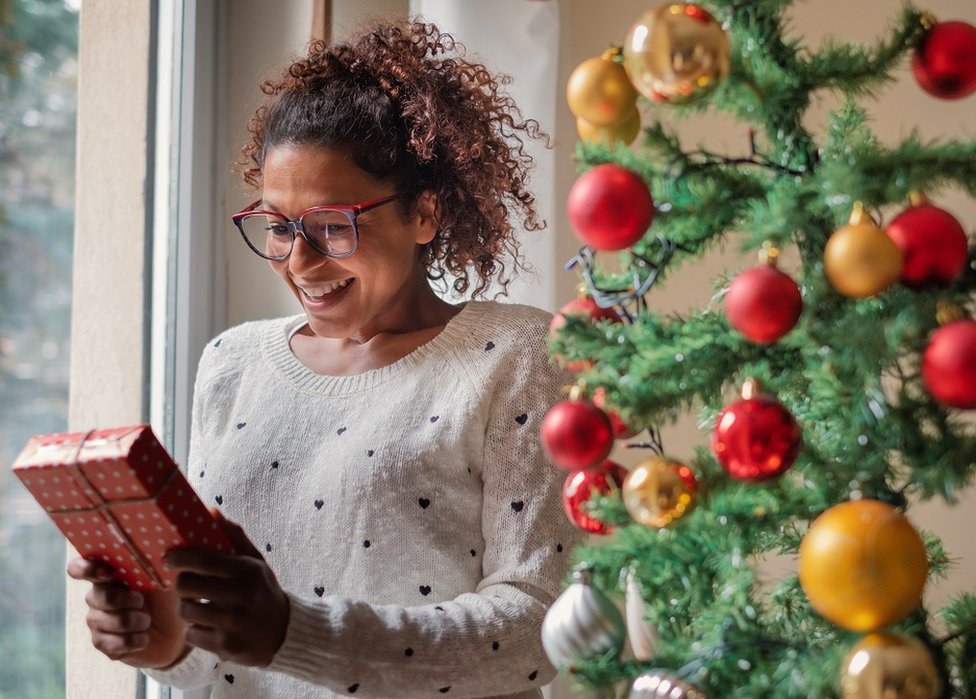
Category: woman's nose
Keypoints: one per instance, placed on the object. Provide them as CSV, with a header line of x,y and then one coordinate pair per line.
x,y
303,257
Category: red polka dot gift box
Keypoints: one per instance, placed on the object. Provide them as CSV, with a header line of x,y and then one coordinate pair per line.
x,y
119,498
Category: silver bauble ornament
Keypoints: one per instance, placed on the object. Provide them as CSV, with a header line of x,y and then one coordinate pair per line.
x,y
582,623
642,634
662,684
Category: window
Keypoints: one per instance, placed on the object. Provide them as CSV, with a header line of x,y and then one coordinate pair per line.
x,y
38,68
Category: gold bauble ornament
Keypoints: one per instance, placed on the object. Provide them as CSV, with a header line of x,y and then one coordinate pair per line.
x,y
860,260
625,132
676,53
600,92
658,491
889,666
862,565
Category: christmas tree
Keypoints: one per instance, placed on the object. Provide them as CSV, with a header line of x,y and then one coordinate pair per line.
x,y
830,398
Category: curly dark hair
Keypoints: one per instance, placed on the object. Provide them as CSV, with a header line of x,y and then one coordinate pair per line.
x,y
409,108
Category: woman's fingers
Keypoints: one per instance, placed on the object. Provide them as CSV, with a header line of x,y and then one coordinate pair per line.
x,y
111,597
123,622
206,614
117,646
194,586
92,571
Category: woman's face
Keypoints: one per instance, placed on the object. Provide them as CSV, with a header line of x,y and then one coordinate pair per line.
x,y
377,288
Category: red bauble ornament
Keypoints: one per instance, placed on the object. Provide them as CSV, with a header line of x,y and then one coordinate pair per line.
x,y
944,62
756,437
763,303
933,244
610,207
576,434
582,485
949,364
621,430
585,307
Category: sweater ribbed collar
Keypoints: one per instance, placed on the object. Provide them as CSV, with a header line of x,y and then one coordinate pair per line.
x,y
277,351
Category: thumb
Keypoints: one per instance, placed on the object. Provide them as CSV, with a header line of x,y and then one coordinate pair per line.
x,y
242,544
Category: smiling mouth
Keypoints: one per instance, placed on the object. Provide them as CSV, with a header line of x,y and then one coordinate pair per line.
x,y
322,292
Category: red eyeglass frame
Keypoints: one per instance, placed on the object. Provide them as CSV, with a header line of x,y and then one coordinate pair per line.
x,y
296,227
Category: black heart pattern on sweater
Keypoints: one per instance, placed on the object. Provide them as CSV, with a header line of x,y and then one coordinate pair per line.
x,y
490,346
444,690
201,474
522,419
435,418
340,430
424,503
518,505
274,464
425,590
533,675
240,425
370,452
559,548
229,678
219,499
319,591
318,504
353,687
267,547
494,645
217,343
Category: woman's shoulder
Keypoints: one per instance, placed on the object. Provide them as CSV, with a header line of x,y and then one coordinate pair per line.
x,y
502,337
513,319
231,348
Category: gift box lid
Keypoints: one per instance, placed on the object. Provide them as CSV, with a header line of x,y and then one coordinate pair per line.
x,y
80,470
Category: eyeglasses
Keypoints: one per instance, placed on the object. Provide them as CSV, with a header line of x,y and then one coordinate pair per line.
x,y
329,230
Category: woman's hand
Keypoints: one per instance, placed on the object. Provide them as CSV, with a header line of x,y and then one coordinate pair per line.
x,y
142,629
233,605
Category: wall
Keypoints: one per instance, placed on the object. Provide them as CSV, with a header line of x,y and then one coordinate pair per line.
x,y
108,354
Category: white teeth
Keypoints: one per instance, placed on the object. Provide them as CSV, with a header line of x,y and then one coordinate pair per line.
x,y
319,292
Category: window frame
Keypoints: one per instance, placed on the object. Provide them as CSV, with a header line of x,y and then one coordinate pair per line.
x,y
187,296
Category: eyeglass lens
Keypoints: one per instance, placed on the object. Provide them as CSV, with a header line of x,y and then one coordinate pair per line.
x,y
329,232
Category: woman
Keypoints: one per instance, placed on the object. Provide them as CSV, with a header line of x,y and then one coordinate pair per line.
x,y
400,532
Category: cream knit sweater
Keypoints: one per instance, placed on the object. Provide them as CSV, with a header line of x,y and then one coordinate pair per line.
x,y
408,512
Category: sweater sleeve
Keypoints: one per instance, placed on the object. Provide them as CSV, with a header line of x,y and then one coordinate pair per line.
x,y
483,643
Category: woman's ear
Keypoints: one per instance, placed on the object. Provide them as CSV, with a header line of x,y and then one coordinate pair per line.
x,y
425,215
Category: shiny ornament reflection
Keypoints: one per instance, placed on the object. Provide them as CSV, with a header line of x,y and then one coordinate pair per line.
x,y
582,623
659,491
862,565
662,684
889,666
676,53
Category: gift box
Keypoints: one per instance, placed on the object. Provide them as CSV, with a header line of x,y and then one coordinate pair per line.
x,y
119,498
